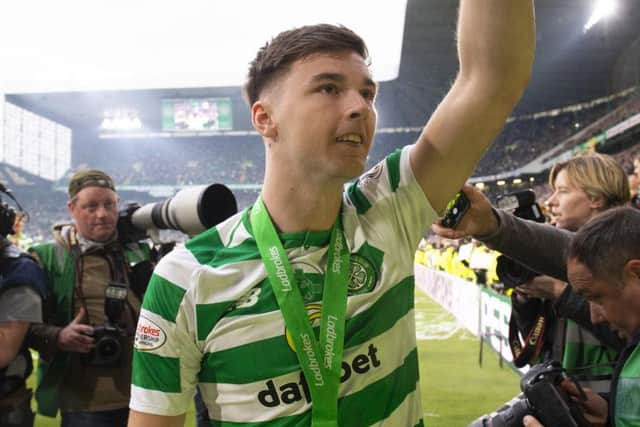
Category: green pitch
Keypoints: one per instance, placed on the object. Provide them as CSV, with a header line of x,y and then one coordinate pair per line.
x,y
455,390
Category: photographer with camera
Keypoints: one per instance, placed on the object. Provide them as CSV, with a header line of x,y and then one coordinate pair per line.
x,y
86,342
546,249
603,264
22,288
583,186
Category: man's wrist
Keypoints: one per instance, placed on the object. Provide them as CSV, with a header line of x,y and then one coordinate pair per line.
x,y
493,229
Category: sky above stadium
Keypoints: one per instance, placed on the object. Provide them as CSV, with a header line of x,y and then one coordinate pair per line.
x,y
76,45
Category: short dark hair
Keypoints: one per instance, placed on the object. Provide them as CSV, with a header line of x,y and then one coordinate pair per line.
x,y
275,57
607,242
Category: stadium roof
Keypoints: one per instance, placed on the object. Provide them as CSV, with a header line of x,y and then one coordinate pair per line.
x,y
571,66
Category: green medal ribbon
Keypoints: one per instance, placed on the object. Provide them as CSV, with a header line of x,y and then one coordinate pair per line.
x,y
321,362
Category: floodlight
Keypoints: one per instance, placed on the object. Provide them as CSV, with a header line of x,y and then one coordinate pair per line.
x,y
602,9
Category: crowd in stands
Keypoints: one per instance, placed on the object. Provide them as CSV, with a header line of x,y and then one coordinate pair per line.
x,y
180,161
237,161
629,108
523,140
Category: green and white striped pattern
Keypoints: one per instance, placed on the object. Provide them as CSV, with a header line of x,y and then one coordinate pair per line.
x,y
210,318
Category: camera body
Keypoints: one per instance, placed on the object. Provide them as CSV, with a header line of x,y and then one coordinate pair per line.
x,y
109,337
108,345
523,205
541,397
455,210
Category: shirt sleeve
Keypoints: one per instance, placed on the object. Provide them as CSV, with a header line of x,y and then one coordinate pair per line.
x,y
391,203
166,359
20,303
541,247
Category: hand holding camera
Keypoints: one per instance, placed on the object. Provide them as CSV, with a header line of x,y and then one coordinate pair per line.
x,y
551,398
76,336
109,337
594,406
478,220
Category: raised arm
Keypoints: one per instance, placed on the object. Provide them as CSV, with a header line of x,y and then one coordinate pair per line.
x,y
496,40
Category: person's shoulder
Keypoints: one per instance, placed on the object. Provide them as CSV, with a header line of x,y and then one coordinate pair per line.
x,y
179,258
230,235
9,250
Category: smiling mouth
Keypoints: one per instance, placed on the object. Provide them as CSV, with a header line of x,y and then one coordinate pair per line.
x,y
351,138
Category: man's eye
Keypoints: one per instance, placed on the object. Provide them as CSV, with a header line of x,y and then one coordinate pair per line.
x,y
368,94
329,89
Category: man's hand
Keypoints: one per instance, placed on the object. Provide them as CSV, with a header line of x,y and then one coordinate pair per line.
x,y
594,406
478,221
75,336
542,287
529,421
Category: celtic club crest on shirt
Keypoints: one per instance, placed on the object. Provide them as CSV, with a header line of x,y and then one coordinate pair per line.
x,y
362,275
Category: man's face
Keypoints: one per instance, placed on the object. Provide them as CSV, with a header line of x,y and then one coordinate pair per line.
x,y
570,206
324,116
611,302
95,213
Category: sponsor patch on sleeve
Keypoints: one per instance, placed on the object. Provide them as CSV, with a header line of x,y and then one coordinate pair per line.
x,y
149,336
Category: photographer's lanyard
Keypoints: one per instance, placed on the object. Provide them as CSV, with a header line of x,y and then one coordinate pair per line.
x,y
320,362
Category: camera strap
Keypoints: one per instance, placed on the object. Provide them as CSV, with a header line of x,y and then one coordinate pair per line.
x,y
528,351
117,272
321,361
76,254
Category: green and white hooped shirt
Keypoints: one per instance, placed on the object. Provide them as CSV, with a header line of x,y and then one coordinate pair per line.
x,y
210,317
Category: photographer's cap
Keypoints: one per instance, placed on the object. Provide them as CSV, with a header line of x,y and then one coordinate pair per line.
x,y
89,178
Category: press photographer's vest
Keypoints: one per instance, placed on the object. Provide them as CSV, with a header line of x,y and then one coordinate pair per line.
x,y
583,349
59,264
626,411
17,269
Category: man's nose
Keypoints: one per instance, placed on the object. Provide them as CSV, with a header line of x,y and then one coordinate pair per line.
x,y
102,211
357,106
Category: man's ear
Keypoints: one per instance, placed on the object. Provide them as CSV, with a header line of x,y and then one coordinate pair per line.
x,y
597,203
632,269
262,120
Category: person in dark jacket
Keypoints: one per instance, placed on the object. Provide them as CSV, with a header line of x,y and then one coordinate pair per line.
x,y
601,261
22,288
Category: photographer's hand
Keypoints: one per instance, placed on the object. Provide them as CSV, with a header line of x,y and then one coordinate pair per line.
x,y
595,407
74,336
529,421
478,221
542,287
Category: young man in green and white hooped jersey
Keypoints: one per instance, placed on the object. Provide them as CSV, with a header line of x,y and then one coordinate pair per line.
x,y
299,310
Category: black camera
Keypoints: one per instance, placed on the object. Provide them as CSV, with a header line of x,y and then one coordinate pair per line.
x,y
110,337
523,205
8,214
541,397
456,208
7,219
